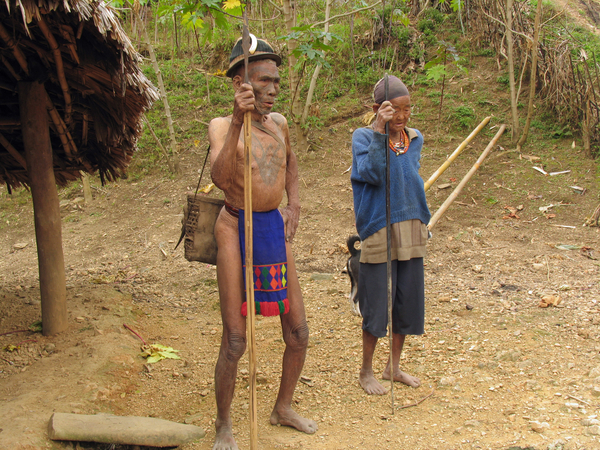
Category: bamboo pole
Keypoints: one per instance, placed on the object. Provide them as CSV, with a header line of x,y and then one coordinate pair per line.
x,y
455,154
19,56
442,209
13,151
388,233
248,230
60,70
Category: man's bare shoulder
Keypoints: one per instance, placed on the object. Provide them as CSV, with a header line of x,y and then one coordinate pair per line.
x,y
218,126
279,120
218,122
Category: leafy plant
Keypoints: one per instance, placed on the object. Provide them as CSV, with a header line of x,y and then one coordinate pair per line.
x,y
157,352
464,115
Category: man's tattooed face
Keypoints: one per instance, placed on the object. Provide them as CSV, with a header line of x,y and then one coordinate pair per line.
x,y
264,78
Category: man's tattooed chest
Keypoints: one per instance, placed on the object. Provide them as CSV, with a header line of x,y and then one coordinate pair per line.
x,y
270,158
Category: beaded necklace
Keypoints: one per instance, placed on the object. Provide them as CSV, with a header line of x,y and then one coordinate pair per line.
x,y
400,148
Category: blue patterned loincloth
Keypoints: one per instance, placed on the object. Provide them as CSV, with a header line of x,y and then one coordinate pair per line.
x,y
269,262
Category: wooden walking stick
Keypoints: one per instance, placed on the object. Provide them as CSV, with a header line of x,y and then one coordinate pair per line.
x,y
455,154
388,232
442,209
250,319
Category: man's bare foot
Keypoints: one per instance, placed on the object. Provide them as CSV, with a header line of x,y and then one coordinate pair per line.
x,y
224,439
403,377
370,384
291,418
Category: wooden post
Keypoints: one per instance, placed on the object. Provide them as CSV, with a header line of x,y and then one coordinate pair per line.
x,y
87,188
38,154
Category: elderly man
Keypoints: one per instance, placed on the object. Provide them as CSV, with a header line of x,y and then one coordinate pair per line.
x,y
277,290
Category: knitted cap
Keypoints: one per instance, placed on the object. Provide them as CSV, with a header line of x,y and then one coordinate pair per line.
x,y
263,51
396,89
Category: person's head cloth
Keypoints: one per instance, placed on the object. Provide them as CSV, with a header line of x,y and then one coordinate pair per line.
x,y
396,88
263,51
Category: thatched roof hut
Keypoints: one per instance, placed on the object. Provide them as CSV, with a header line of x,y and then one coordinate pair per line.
x,y
71,100
96,92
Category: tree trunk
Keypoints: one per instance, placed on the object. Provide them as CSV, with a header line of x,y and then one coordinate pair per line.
x,y
586,129
532,79
511,72
163,94
289,15
303,142
46,211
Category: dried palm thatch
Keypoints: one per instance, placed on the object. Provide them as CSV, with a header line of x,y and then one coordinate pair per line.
x,y
96,91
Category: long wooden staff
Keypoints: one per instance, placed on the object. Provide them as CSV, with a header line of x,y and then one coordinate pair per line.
x,y
249,247
442,209
388,232
455,154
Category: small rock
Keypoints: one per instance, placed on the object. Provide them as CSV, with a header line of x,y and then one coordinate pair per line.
x,y
80,319
321,276
477,268
549,300
50,347
447,381
193,419
594,430
590,422
595,391
508,355
539,427
472,423
444,299
20,246
538,267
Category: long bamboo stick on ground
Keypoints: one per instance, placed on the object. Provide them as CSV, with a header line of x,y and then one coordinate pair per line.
x,y
442,209
248,228
455,154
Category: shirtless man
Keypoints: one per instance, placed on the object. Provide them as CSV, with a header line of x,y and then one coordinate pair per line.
x,y
274,170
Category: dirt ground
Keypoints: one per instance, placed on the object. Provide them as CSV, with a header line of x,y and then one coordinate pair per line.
x,y
498,370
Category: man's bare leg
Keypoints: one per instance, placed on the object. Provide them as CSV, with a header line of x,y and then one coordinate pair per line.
x,y
403,377
295,336
366,377
233,341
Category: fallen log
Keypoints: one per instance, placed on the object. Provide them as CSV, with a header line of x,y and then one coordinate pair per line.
x,y
124,430
442,209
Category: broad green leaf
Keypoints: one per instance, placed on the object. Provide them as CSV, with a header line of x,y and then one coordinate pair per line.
x,y
436,72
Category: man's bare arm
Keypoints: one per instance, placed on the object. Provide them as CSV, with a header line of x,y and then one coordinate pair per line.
x,y
291,213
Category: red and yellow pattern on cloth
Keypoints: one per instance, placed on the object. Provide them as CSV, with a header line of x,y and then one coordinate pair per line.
x,y
269,262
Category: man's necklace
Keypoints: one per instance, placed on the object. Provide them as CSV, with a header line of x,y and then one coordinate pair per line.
x,y
400,148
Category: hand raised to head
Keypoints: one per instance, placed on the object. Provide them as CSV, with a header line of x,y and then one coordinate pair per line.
x,y
384,115
244,101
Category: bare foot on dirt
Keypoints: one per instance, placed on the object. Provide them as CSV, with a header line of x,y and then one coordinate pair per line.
x,y
224,439
291,418
370,384
403,377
